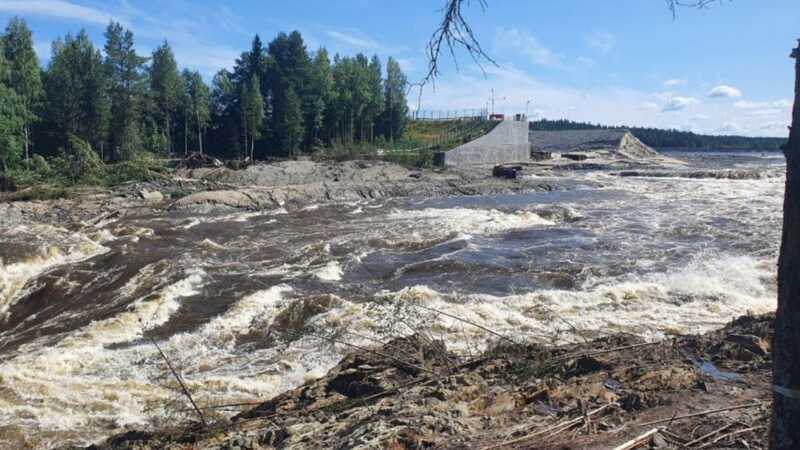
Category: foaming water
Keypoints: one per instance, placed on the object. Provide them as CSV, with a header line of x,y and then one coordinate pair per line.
x,y
242,302
45,247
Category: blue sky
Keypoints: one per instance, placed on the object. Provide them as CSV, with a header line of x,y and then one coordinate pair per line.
x,y
721,70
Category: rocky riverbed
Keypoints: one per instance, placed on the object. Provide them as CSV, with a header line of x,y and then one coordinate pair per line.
x,y
255,283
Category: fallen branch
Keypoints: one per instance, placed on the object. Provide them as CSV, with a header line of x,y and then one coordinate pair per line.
x,y
703,413
602,352
554,429
468,322
731,434
637,441
706,436
180,381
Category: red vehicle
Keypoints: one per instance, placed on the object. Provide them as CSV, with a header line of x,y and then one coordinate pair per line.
x,y
497,117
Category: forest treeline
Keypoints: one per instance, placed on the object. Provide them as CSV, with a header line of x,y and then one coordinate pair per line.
x,y
114,105
660,138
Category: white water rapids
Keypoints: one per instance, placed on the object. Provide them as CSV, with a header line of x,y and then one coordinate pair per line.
x,y
230,296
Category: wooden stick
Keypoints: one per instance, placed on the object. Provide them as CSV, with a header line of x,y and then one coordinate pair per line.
x,y
551,430
637,441
706,436
703,413
180,381
611,350
468,322
228,405
731,434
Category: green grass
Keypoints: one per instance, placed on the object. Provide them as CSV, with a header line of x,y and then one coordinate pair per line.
x,y
422,139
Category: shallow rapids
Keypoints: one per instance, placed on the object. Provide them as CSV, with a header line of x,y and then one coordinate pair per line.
x,y
249,304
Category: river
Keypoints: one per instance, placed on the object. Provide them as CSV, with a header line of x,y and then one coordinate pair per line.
x,y
249,304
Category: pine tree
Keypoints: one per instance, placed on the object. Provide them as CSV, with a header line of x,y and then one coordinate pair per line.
x,y
11,120
290,69
395,99
24,74
124,69
375,104
292,129
77,92
199,103
320,113
166,89
224,102
252,114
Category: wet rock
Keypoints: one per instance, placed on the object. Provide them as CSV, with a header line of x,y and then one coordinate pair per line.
x,y
151,196
233,199
371,399
751,343
295,316
583,366
509,172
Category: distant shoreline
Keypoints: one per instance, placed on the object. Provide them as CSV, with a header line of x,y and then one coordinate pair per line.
x,y
716,150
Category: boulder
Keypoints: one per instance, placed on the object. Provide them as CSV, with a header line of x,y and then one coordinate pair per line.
x,y
151,196
234,199
506,171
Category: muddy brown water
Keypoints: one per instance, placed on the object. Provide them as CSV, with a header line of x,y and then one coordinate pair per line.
x,y
647,255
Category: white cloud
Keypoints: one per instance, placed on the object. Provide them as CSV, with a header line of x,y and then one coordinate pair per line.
x,y
725,91
775,126
355,40
601,41
586,61
59,9
766,112
678,103
606,104
649,105
676,82
778,104
527,44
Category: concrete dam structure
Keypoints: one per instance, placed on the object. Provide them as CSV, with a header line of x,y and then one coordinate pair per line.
x,y
506,143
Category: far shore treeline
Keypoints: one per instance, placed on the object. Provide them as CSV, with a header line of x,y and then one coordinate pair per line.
x,y
659,138
112,105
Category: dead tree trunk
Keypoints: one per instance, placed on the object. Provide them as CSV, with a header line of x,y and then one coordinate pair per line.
x,y
785,430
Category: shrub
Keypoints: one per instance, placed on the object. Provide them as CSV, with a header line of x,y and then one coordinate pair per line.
x,y
40,166
144,168
79,164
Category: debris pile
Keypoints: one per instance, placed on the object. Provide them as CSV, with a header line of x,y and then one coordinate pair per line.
x,y
709,391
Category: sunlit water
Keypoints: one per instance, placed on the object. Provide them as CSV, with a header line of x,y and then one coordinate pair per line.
x,y
647,255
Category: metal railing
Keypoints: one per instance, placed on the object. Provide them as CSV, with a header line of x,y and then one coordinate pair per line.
x,y
446,115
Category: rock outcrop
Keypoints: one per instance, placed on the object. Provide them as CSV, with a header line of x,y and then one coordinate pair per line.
x,y
619,143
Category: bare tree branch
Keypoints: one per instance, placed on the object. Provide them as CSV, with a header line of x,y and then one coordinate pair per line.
x,y
454,32
700,4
